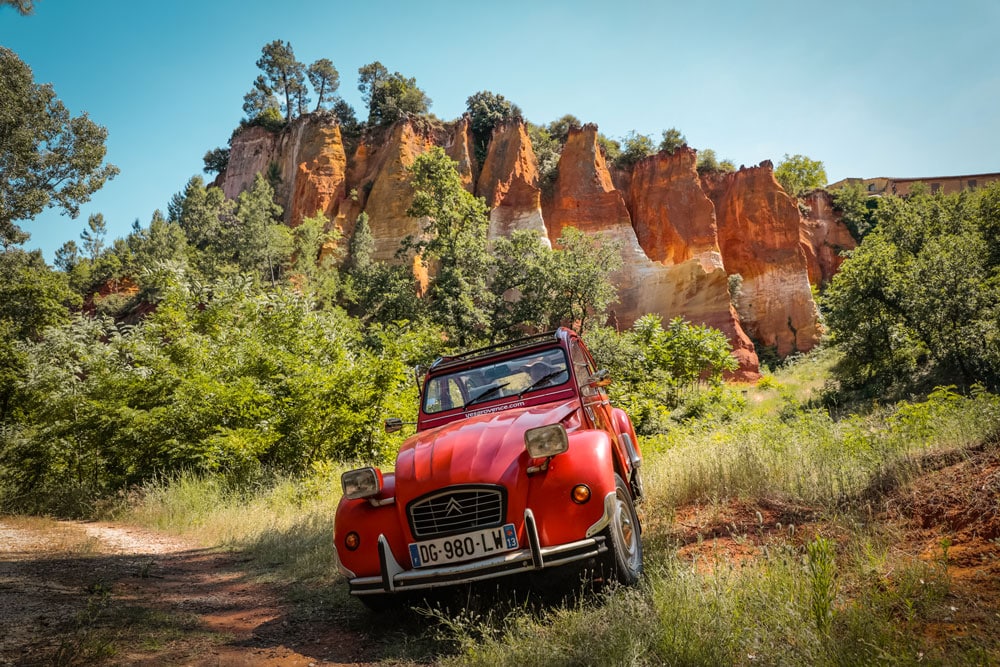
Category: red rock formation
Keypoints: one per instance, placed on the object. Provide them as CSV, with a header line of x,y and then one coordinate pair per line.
x,y
320,176
823,237
251,152
308,157
509,183
697,289
458,146
673,218
758,228
384,187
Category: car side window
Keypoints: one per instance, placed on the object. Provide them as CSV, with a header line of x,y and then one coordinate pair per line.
x,y
442,394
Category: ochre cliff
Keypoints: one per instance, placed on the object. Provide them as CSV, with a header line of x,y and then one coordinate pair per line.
x,y
584,196
758,227
823,237
674,219
682,236
509,183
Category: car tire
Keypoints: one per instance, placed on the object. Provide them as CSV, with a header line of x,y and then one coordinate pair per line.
x,y
623,560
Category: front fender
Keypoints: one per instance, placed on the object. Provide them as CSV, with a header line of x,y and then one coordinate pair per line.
x,y
369,520
588,461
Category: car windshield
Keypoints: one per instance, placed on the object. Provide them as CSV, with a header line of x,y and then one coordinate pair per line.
x,y
501,379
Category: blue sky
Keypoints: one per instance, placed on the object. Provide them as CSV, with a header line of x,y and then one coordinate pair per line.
x,y
871,89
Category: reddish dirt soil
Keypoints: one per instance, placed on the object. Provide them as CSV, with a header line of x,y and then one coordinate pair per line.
x,y
83,593
949,516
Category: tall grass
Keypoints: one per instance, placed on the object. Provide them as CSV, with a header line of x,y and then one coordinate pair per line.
x,y
803,453
759,614
284,524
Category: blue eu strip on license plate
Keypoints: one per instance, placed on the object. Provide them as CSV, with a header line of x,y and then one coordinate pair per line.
x,y
467,546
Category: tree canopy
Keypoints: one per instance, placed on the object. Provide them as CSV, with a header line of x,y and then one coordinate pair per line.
x,y
920,297
798,173
47,157
325,80
389,96
487,110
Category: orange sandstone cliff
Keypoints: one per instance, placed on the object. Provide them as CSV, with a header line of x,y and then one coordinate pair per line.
x,y
509,183
823,237
758,227
674,221
681,235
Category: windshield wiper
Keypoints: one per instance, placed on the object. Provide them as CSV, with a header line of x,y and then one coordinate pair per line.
x,y
540,381
492,389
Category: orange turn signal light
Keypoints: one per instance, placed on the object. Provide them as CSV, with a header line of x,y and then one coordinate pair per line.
x,y
352,541
580,494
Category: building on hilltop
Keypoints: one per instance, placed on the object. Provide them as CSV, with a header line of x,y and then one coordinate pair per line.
x,y
901,186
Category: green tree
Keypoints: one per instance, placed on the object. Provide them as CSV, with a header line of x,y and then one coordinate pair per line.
x,y
559,129
316,251
216,160
707,160
47,157
612,149
284,75
798,173
547,151
32,298
522,287
378,291
634,148
389,96
162,241
672,140
454,243
262,243
325,80
856,208
208,221
350,128
580,277
93,236
659,371
260,104
67,256
487,110
921,295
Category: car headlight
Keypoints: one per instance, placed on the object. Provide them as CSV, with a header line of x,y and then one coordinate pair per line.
x,y
361,483
546,441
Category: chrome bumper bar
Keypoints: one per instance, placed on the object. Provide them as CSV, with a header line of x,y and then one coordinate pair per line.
x,y
394,578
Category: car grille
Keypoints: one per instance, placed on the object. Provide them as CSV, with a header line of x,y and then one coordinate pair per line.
x,y
457,510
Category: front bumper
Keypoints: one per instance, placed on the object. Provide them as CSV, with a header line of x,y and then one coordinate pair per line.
x,y
395,578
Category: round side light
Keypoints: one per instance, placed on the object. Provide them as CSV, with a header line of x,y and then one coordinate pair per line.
x,y
352,541
580,494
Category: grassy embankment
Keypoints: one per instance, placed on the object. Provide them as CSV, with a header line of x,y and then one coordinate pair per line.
x,y
767,540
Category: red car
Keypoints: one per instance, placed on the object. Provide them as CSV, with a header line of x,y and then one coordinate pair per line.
x,y
519,464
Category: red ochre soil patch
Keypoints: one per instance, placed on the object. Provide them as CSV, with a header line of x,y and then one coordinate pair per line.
x,y
736,531
951,517
948,517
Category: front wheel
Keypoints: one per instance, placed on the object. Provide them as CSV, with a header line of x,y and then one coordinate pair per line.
x,y
623,560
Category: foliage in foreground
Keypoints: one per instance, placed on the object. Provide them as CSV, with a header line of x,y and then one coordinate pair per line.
x,y
920,297
219,380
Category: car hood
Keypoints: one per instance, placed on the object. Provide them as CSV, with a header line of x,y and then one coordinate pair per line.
x,y
483,448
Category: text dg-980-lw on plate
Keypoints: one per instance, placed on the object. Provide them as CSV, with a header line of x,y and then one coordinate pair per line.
x,y
463,547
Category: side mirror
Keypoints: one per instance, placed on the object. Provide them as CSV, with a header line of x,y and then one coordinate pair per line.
x,y
393,424
601,378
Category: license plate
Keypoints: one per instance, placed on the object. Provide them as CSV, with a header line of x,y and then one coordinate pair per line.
x,y
463,547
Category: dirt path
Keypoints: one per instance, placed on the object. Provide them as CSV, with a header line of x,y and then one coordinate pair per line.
x,y
83,593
